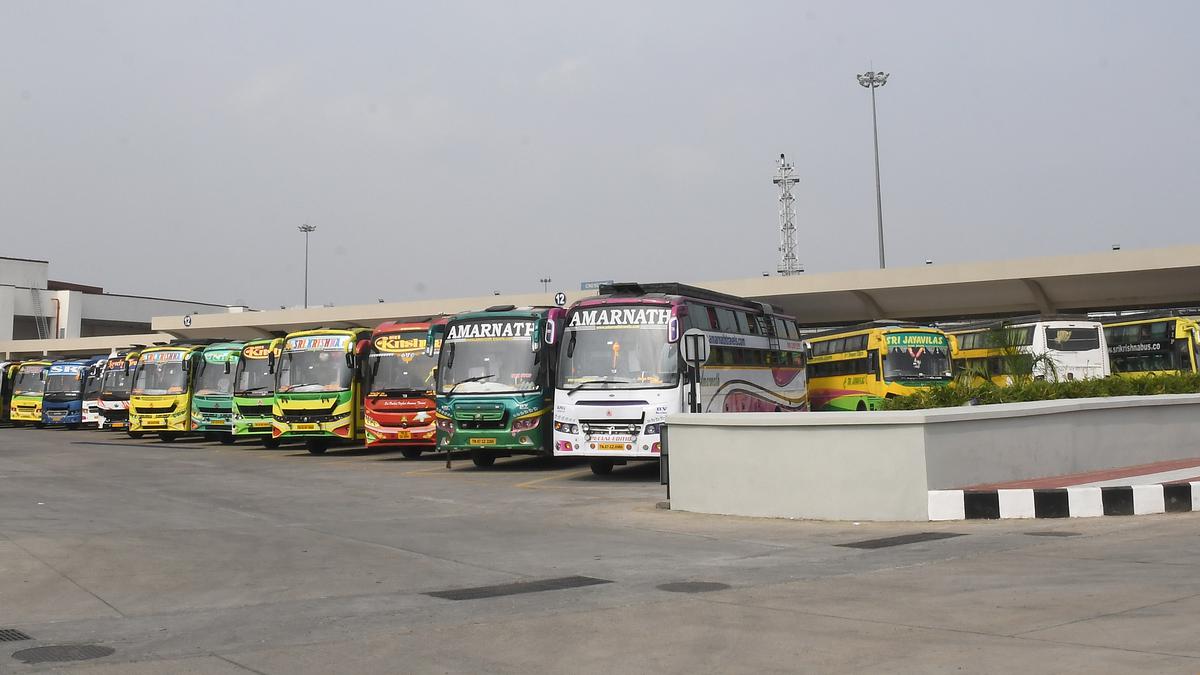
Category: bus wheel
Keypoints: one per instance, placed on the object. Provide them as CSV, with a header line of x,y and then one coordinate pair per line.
x,y
166,437
270,443
411,453
862,406
39,425
316,446
482,459
227,439
136,434
72,427
602,467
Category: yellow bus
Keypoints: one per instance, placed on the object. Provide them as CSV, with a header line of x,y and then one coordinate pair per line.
x,y
1074,345
856,368
1161,344
29,383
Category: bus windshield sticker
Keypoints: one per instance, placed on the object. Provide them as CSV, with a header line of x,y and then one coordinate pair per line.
x,y
620,317
491,330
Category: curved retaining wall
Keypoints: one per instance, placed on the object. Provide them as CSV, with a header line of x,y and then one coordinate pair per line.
x,y
882,465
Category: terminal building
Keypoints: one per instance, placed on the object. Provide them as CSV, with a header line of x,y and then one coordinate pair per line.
x,y
36,308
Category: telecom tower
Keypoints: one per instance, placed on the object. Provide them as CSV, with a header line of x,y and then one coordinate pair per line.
x,y
788,264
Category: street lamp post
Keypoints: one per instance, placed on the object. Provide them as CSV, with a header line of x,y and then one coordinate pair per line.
x,y
545,284
307,230
873,80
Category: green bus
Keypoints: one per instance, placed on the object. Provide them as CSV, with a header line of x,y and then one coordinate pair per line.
x,y
318,388
495,381
254,390
212,391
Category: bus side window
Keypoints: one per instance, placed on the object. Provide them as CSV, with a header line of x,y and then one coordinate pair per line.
x,y
726,321
698,315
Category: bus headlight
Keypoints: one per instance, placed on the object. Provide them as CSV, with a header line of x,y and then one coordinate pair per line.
x,y
566,427
653,429
526,424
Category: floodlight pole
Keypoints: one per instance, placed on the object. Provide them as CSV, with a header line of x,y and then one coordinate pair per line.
x,y
873,80
307,230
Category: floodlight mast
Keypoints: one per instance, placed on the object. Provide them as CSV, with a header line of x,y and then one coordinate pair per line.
x,y
788,263
307,230
873,80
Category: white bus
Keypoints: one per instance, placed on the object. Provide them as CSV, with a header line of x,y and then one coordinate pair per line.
x,y
620,372
1076,346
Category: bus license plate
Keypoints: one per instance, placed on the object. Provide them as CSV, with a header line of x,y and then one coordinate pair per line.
x,y
152,423
260,425
216,422
482,441
611,446
306,427
402,435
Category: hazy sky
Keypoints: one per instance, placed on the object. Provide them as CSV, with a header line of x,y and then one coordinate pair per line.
x,y
447,149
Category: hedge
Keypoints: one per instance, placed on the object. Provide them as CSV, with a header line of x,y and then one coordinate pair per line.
x,y
959,394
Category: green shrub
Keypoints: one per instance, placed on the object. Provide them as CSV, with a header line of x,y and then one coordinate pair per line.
x,y
963,393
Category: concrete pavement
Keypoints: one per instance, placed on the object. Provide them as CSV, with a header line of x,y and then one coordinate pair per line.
x,y
200,558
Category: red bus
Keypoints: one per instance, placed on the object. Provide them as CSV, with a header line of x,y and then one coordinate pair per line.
x,y
399,406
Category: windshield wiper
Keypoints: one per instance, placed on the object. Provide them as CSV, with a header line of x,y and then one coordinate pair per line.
x,y
469,379
294,387
250,390
581,385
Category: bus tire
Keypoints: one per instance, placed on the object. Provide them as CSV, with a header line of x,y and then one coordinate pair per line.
x,y
411,453
166,437
227,439
135,434
602,467
316,446
862,406
73,426
482,459
270,443
39,425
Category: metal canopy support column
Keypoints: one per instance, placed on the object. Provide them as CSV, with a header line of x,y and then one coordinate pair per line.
x,y
869,304
1045,306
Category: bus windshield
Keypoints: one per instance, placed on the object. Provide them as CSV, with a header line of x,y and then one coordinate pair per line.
x,y
916,356
116,382
402,371
212,380
91,388
313,371
29,381
69,384
621,357
158,379
489,364
252,377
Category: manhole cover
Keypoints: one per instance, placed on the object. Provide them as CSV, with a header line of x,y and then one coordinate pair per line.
x,y
692,587
56,653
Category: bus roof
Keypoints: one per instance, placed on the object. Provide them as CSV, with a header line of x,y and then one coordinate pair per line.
x,y
673,289
531,312
1012,321
1151,317
389,327
881,324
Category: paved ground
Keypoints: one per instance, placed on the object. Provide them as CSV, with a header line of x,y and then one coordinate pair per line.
x,y
199,558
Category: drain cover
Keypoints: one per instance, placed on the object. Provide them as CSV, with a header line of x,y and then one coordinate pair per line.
x,y
692,587
12,635
900,540
1052,533
57,653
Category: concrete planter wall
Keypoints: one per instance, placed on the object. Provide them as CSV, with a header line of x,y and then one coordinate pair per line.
x,y
881,465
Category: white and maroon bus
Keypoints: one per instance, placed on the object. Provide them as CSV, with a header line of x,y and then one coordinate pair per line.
x,y
620,372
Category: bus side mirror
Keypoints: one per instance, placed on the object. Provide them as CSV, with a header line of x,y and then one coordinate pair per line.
x,y
271,363
227,369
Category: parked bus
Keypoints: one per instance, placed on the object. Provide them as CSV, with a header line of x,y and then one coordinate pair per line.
x,y
254,390
29,383
620,372
1076,346
91,393
1161,344
400,403
160,396
495,381
318,387
857,367
62,398
8,375
114,390
212,396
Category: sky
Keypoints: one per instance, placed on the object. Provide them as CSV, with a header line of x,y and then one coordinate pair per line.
x,y
456,149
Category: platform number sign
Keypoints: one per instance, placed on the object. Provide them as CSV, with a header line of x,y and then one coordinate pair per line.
x,y
187,320
560,299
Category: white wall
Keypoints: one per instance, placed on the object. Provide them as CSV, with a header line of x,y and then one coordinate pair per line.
x,y
26,273
881,465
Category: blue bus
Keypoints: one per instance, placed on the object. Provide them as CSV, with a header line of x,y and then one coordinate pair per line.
x,y
62,402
